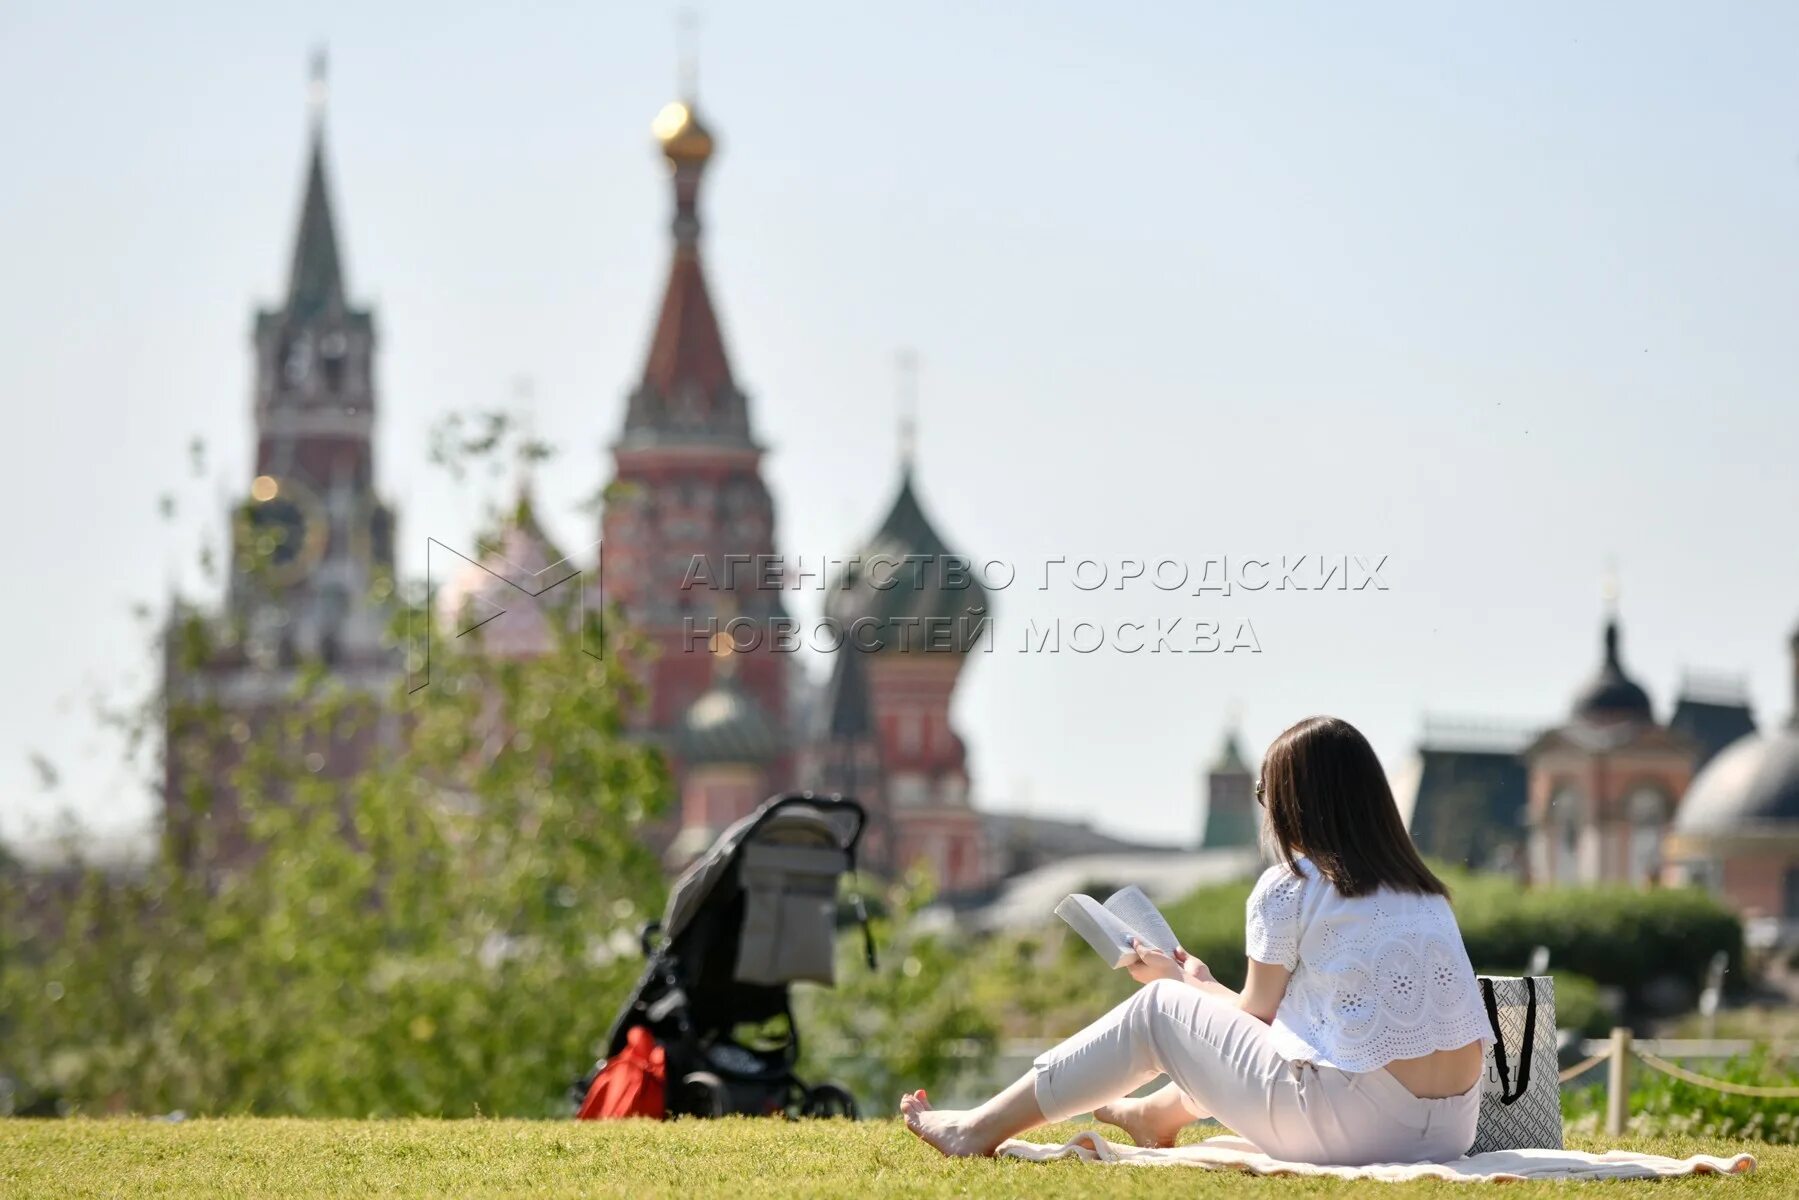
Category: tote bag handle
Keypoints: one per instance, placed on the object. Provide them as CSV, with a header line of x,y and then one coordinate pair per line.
x,y
1526,1053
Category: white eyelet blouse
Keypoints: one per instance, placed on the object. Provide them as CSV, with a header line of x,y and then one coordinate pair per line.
x,y
1375,978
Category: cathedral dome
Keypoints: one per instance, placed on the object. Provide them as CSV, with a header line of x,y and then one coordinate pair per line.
x,y
685,139
726,725
906,589
1751,786
1612,695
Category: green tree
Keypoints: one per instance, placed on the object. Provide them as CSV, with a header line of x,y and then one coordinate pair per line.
x,y
447,929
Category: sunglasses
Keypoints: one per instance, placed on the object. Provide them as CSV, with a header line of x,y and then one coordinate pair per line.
x,y
1260,793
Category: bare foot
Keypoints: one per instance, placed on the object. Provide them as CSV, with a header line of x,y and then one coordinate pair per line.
x,y
1140,1120
952,1133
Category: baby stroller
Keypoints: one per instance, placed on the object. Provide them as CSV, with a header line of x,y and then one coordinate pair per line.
x,y
754,914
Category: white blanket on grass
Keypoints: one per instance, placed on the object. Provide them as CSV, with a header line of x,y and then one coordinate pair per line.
x,y
1234,1153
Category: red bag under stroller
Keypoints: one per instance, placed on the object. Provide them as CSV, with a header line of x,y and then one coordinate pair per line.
x,y
631,1083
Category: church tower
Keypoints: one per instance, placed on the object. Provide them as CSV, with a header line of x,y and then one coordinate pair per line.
x,y
907,611
1604,785
688,522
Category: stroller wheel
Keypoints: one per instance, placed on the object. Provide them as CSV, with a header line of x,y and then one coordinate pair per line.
x,y
702,1094
829,1100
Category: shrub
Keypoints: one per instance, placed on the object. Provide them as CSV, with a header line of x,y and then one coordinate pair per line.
x,y
1617,936
437,932
449,952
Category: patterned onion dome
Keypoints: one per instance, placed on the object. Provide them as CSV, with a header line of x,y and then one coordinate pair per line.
x,y
1612,695
726,725
906,589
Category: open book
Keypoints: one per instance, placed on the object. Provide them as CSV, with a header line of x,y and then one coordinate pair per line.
x,y
1109,927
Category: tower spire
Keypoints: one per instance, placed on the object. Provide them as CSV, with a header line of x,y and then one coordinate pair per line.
x,y
524,397
905,364
318,89
1609,590
316,281
687,54
687,363
1793,720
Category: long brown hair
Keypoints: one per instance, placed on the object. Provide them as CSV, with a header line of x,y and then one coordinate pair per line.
x,y
1328,799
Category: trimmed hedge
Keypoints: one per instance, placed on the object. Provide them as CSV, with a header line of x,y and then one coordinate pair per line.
x,y
1617,936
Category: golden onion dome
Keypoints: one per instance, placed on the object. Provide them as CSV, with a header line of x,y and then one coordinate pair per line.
x,y
684,139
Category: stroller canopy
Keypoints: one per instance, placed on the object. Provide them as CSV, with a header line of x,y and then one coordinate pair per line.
x,y
800,822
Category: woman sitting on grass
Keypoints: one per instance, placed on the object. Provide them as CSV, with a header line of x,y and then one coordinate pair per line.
x,y
1359,1036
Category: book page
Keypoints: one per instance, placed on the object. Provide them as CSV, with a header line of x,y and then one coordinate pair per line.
x,y
1109,936
1137,912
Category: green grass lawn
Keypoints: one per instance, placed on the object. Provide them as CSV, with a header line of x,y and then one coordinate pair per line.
x,y
251,1157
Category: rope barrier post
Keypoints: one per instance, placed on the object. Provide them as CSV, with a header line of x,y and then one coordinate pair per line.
x,y
1617,1083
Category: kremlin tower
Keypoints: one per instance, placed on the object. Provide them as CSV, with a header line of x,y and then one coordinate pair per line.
x,y
312,553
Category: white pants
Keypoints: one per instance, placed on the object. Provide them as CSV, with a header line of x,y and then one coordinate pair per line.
x,y
1225,1061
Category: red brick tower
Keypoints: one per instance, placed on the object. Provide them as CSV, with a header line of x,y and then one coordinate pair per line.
x,y
687,502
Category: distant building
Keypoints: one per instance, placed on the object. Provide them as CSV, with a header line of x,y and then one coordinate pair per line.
x,y
1737,832
1026,900
1469,803
1017,843
1603,786
1233,818
1713,712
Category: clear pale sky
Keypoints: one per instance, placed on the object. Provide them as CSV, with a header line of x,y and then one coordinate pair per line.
x,y
1501,292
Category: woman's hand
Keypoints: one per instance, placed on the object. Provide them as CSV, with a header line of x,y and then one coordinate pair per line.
x,y
1192,969
1152,964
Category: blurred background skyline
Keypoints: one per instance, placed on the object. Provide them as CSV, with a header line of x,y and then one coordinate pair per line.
x,y
1502,296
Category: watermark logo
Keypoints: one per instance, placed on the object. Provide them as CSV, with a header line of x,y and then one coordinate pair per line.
x,y
478,592
868,609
